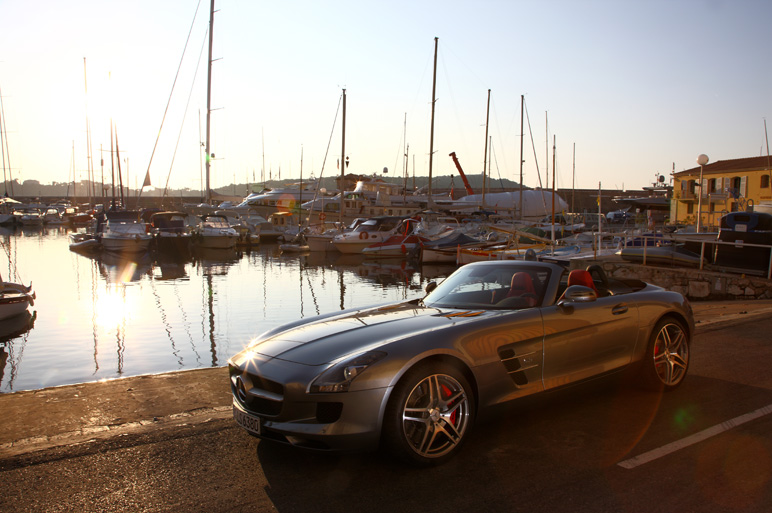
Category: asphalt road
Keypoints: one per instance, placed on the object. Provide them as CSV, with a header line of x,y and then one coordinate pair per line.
x,y
605,447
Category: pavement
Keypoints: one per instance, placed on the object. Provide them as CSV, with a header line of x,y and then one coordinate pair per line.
x,y
42,419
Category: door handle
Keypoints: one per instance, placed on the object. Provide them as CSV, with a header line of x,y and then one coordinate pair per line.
x,y
619,309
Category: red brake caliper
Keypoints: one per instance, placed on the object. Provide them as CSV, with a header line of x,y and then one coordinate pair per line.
x,y
446,395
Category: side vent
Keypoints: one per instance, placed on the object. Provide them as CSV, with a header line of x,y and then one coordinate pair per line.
x,y
516,366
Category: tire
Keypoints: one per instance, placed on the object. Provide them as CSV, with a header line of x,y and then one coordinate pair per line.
x,y
667,356
429,415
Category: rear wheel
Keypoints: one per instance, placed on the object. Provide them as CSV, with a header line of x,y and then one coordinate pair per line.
x,y
429,415
667,356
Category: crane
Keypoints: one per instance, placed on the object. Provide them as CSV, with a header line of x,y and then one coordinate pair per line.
x,y
461,172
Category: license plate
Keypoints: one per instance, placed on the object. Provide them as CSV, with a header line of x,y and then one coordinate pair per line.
x,y
248,422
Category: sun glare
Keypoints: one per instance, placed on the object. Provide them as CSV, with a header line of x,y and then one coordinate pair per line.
x,y
113,307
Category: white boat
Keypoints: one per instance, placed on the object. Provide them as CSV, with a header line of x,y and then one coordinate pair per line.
x,y
537,203
87,243
15,299
29,217
214,232
446,249
320,237
280,225
296,245
124,232
405,242
53,216
371,197
7,206
171,233
247,224
271,201
366,233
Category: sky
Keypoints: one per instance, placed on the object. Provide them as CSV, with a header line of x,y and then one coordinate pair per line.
x,y
615,91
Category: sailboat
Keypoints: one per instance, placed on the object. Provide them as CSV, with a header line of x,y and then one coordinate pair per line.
x,y
15,298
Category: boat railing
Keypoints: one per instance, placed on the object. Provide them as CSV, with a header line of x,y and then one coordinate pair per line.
x,y
702,242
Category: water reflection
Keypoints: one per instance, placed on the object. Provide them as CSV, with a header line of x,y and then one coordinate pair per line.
x,y
16,327
106,316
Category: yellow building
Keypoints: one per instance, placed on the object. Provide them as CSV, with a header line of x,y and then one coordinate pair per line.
x,y
727,186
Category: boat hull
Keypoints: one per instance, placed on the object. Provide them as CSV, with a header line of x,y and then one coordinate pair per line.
x,y
216,241
320,243
173,244
132,244
14,303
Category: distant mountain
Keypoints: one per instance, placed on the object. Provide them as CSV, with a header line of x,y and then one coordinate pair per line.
x,y
33,188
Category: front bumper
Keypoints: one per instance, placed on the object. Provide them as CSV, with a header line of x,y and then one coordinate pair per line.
x,y
336,422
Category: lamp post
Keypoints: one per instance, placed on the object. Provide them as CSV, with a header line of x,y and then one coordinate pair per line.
x,y
702,159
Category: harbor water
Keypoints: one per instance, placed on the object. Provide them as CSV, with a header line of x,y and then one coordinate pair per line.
x,y
103,317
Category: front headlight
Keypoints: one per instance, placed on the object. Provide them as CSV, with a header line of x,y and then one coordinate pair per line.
x,y
338,378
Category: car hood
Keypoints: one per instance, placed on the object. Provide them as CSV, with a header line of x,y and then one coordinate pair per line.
x,y
323,341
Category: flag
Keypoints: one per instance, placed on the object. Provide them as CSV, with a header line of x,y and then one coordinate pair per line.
x,y
146,183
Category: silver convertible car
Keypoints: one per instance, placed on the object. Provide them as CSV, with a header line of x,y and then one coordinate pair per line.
x,y
414,376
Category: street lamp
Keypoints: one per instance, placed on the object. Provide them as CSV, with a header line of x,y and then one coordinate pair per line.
x,y
702,159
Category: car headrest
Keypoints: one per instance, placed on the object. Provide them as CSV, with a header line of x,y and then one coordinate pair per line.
x,y
581,277
521,284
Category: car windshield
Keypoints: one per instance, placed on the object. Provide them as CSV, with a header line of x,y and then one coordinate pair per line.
x,y
491,288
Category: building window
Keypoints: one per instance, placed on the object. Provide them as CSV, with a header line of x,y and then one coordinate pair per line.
x,y
764,181
711,185
691,186
690,208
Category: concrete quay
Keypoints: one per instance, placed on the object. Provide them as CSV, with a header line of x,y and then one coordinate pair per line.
x,y
81,414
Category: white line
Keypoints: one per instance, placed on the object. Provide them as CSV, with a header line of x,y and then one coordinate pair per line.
x,y
695,438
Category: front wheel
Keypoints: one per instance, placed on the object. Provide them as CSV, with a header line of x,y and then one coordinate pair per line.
x,y
667,356
429,415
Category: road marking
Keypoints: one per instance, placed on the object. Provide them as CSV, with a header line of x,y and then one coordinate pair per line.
x,y
695,438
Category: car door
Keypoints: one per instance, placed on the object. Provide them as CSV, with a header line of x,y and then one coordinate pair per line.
x,y
582,340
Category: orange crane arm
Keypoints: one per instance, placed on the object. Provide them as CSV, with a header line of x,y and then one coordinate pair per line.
x,y
461,172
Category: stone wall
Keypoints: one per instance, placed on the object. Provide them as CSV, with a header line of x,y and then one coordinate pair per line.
x,y
693,283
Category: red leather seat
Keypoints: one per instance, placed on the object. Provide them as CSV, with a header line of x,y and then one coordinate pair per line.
x,y
522,284
581,277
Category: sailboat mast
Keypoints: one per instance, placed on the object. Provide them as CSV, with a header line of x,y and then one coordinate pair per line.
x,y
547,149
767,139
405,147
4,142
300,202
207,193
553,187
343,158
262,170
73,171
431,136
89,164
120,175
573,179
485,155
112,163
522,103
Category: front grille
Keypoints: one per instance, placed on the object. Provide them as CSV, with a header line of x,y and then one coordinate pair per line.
x,y
261,406
255,393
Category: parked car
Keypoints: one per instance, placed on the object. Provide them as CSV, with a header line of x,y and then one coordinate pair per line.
x,y
619,217
414,376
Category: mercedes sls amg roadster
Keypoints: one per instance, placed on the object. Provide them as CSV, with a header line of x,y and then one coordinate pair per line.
x,y
413,376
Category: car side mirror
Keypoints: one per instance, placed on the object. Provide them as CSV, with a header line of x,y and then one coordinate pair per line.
x,y
578,294
430,287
